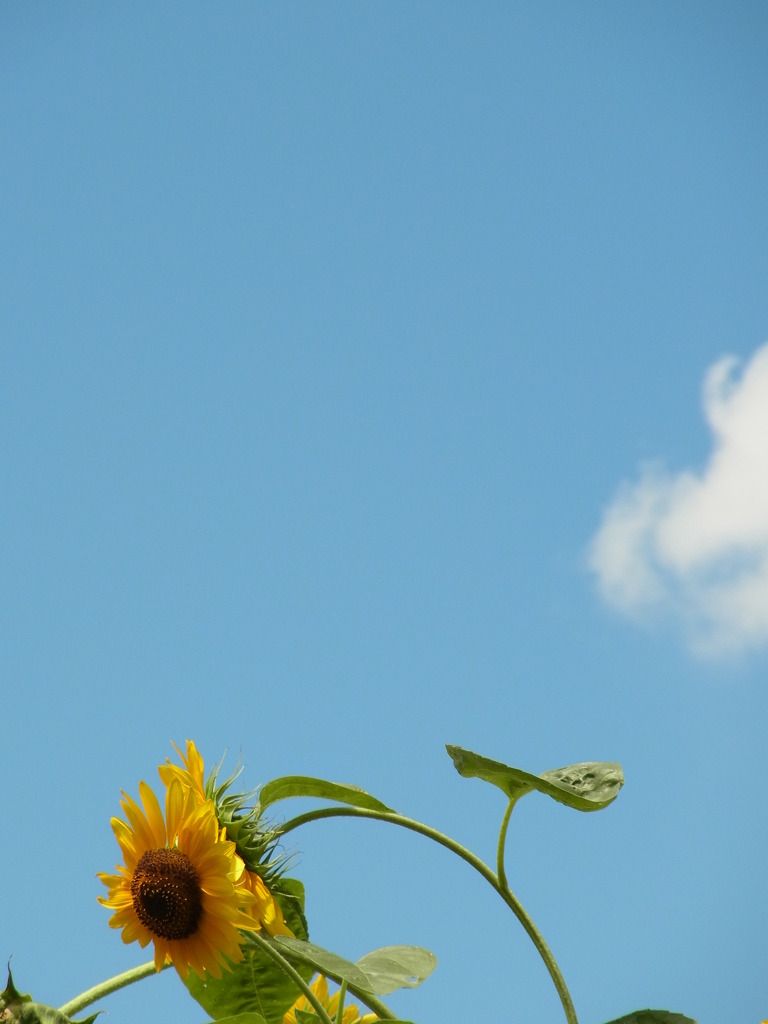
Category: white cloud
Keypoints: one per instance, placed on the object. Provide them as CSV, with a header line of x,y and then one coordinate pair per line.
x,y
694,546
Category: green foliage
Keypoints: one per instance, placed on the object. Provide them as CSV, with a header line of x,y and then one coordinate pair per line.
x,y
256,985
265,985
586,787
322,960
394,967
18,1008
305,786
378,973
258,992
653,1017
289,893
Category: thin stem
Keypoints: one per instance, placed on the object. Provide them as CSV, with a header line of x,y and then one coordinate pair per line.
x,y
293,974
340,1010
105,988
501,873
474,861
373,1003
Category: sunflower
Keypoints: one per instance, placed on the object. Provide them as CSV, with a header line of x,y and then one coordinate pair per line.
x,y
182,886
253,843
319,986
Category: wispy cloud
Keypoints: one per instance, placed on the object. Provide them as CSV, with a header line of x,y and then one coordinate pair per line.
x,y
694,546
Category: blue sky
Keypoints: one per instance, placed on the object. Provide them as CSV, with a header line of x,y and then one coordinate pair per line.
x,y
362,391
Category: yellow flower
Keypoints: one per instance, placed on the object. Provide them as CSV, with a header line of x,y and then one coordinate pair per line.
x,y
242,826
319,986
191,776
266,908
182,884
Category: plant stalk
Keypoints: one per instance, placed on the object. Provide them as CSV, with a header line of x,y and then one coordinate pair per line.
x,y
474,861
105,988
293,974
500,872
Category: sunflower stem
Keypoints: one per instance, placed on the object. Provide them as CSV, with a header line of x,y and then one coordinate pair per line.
x,y
293,974
500,872
106,988
340,1010
474,861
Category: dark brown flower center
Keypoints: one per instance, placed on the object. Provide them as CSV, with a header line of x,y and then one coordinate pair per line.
x,y
166,894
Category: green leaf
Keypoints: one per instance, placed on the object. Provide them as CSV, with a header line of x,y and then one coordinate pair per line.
x,y
586,787
653,1017
305,786
589,786
256,985
289,893
394,967
378,973
305,1017
322,960
512,781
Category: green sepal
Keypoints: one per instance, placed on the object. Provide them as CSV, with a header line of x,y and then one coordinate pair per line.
x,y
11,997
38,1013
240,814
586,787
378,973
256,985
18,1008
653,1017
306,786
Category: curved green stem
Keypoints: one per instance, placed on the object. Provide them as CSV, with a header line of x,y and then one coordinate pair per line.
x,y
286,966
500,872
474,861
105,988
